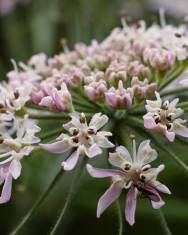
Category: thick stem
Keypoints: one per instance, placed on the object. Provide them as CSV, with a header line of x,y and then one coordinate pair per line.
x,y
163,223
37,203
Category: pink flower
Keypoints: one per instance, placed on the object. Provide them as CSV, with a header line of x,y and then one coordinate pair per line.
x,y
163,117
86,139
120,98
135,174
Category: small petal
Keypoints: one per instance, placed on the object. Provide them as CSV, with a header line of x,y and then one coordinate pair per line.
x,y
145,153
57,147
130,206
120,157
102,173
149,122
98,121
180,129
160,187
93,151
7,188
15,168
111,195
102,141
71,162
170,135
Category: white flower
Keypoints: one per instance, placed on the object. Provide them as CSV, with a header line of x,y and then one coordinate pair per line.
x,y
163,117
87,139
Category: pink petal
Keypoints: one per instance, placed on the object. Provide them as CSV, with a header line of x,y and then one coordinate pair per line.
x,y
130,206
57,100
170,135
15,168
70,163
181,130
159,204
47,102
111,195
160,187
93,151
57,147
149,122
37,96
7,188
102,173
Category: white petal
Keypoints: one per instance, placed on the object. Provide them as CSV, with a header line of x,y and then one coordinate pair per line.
x,y
145,153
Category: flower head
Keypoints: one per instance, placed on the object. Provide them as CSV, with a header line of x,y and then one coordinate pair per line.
x,y
85,138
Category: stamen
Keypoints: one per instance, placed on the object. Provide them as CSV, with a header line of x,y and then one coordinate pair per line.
x,y
75,140
90,131
127,166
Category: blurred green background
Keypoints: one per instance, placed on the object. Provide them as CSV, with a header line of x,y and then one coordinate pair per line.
x,y
38,26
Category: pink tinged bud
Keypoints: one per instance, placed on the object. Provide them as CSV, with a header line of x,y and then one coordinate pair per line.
x,y
37,96
120,98
111,195
57,100
47,102
111,99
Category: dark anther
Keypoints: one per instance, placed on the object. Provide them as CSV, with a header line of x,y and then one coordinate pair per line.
x,y
127,167
178,35
75,132
16,94
90,131
75,140
169,126
169,117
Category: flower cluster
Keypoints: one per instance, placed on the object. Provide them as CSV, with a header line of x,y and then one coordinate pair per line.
x,y
102,85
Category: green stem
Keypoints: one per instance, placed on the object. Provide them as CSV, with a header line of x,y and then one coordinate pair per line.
x,y
51,133
120,218
49,117
37,203
69,197
163,223
174,91
171,78
183,105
